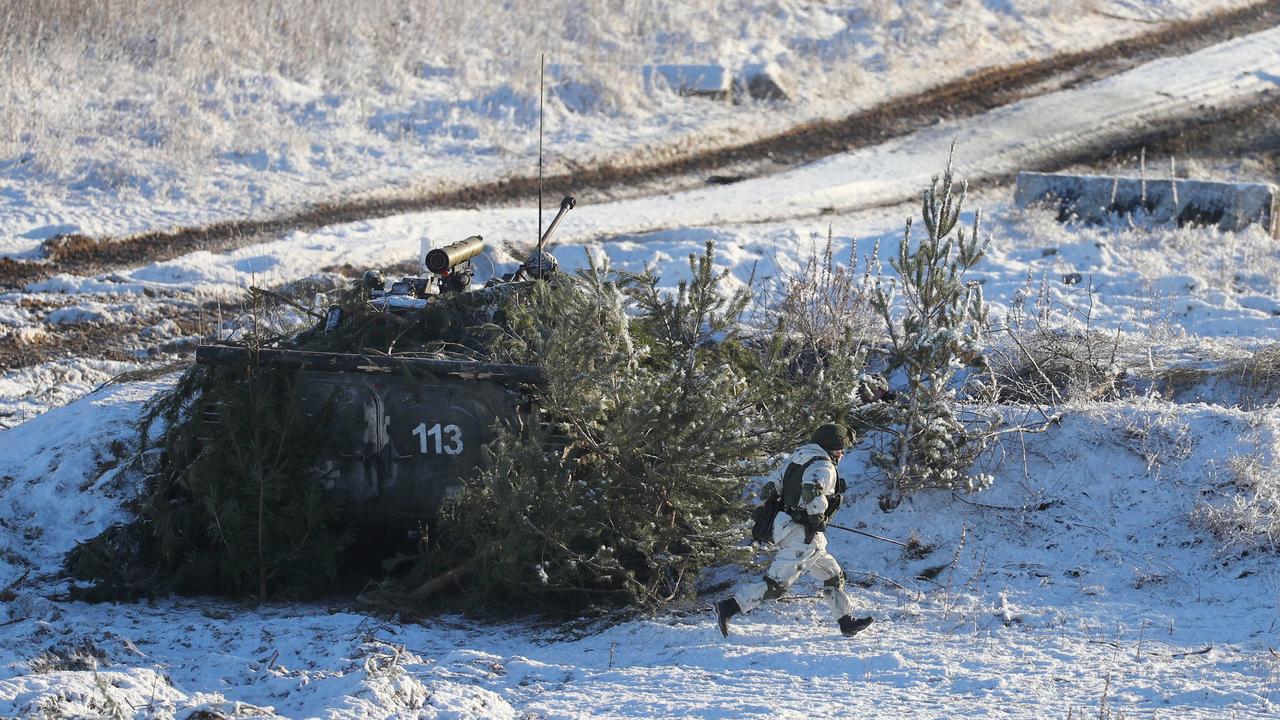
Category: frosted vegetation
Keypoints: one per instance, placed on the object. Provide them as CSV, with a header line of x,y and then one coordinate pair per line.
x,y
174,101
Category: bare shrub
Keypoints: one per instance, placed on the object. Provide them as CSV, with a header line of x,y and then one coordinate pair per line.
x,y
1249,518
824,304
1056,354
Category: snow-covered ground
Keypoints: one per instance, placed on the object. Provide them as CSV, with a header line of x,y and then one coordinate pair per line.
x,y
143,114
1086,581
1082,582
766,224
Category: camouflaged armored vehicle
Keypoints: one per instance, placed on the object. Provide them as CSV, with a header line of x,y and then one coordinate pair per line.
x,y
406,430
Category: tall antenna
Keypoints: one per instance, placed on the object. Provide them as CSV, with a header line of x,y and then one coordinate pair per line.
x,y
542,75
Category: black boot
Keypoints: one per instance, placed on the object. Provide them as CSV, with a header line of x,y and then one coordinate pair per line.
x,y
726,609
850,625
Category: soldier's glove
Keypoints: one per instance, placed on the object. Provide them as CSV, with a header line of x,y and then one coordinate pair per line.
x,y
841,486
813,525
833,504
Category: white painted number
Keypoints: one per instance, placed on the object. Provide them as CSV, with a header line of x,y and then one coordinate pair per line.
x,y
438,435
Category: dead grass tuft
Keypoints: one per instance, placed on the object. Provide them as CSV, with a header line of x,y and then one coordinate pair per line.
x,y
82,655
1248,518
60,248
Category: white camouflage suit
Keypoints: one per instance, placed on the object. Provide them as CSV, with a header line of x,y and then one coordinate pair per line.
x,y
795,557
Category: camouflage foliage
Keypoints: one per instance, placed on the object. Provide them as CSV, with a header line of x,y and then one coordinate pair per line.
x,y
659,408
233,506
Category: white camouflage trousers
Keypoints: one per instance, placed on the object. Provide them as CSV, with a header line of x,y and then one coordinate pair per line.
x,y
795,558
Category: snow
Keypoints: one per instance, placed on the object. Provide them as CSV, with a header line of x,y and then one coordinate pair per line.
x,y
1078,577
28,392
90,312
241,132
993,145
1087,580
59,474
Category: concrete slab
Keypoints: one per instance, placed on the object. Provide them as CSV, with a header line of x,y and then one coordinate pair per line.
x,y
1099,198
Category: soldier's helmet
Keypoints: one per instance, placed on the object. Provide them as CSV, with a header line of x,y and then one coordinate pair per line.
x,y
833,436
373,280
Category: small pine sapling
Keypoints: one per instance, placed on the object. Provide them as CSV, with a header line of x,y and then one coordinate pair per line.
x,y
934,330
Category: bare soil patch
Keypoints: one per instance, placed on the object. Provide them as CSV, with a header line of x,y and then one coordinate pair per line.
x,y
122,342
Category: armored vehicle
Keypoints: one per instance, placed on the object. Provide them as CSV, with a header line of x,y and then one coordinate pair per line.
x,y
406,430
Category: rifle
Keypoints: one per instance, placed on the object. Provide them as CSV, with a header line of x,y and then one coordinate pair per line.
x,y
867,534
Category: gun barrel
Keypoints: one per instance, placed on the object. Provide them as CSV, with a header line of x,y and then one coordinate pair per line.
x,y
441,260
565,206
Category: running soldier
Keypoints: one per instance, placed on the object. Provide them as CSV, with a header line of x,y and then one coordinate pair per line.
x,y
810,492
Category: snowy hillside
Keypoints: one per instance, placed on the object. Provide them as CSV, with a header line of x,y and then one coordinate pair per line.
x,y
181,113
1083,581
1123,563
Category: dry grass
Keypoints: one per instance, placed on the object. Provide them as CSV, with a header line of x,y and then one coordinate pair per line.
x,y
1247,380
69,655
1259,376
143,98
1248,518
186,85
1050,364
824,303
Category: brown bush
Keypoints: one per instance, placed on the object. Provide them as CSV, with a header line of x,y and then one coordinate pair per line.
x,y
68,247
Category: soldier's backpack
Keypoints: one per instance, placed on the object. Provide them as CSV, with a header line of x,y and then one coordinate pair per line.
x,y
763,515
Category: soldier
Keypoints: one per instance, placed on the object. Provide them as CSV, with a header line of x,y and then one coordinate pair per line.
x,y
811,492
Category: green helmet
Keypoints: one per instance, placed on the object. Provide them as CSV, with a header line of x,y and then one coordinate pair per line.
x,y
833,436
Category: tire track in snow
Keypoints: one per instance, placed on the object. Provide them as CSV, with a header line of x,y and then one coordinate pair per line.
x,y
1153,101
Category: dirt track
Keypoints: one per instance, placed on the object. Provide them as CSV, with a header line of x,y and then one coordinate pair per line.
x,y
1253,130
968,96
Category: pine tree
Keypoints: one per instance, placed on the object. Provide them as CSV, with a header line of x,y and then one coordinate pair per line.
x,y
659,408
937,330
235,503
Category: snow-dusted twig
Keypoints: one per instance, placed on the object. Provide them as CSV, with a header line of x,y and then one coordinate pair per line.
x,y
875,576
988,506
1202,651
1035,365
288,301
955,560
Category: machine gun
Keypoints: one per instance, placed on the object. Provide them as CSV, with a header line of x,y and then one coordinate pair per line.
x,y
537,263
